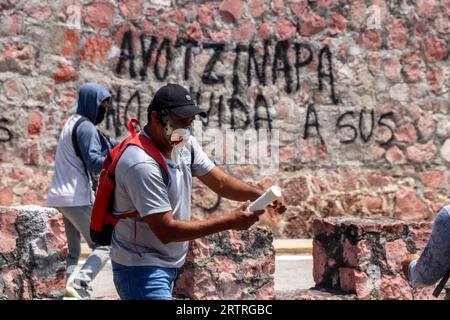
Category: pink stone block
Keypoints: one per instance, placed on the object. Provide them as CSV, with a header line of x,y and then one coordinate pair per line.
x,y
99,15
234,8
347,279
34,248
8,232
229,265
364,256
131,9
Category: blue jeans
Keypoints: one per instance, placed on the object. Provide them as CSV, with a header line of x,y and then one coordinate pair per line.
x,y
143,282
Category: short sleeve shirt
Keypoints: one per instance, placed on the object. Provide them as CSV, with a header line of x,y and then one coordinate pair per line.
x,y
140,186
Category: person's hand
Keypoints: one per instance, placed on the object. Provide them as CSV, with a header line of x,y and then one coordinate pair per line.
x,y
277,207
242,220
406,263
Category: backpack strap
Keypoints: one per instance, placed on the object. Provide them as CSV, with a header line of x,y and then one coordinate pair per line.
x,y
77,146
105,139
145,144
192,156
150,148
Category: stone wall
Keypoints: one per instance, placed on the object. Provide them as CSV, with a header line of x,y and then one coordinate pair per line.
x,y
355,92
363,256
229,265
32,253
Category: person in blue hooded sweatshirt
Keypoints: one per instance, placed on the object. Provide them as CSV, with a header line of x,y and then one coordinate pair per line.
x,y
72,192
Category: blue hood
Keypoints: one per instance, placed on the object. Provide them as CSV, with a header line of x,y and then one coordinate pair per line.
x,y
89,99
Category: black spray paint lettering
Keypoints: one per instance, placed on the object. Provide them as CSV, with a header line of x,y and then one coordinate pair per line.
x,y
5,134
298,62
367,137
280,61
262,102
135,96
215,206
383,124
197,96
339,125
208,77
164,45
364,137
321,74
214,108
188,59
281,58
127,54
236,82
147,54
259,70
114,112
311,111
237,105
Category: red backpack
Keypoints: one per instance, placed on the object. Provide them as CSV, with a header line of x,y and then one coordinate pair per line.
x,y
102,219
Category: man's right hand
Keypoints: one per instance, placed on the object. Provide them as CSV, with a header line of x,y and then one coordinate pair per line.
x,y
242,220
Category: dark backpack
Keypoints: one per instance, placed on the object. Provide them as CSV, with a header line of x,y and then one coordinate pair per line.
x,y
91,176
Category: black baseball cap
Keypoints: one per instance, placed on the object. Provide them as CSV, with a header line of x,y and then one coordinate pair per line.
x,y
176,99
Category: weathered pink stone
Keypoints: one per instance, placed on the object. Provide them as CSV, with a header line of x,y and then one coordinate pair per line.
x,y
434,179
8,232
206,14
421,152
194,33
99,15
394,288
347,279
223,35
235,8
131,9
412,73
256,7
365,256
435,49
395,156
96,49
372,40
319,262
426,8
338,23
406,133
229,266
398,34
35,125
409,206
245,31
284,29
311,23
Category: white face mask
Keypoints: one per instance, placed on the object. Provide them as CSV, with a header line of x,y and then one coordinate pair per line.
x,y
180,137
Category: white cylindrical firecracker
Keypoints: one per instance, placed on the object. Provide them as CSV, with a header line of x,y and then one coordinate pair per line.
x,y
272,194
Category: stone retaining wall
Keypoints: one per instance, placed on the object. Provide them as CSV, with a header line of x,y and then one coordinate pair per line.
x,y
363,256
355,92
229,265
33,248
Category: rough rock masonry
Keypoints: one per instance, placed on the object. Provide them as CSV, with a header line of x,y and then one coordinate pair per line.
x,y
363,257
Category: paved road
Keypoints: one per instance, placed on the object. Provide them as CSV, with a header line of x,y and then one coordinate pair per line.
x,y
291,272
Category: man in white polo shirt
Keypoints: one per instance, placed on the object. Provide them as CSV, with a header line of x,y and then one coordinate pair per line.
x,y
147,251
